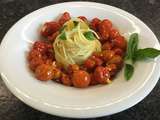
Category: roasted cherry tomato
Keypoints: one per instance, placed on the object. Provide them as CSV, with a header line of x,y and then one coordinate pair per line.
x,y
107,46
97,60
112,68
106,24
89,63
34,54
101,75
114,33
118,51
49,28
66,80
72,68
116,59
35,62
120,42
95,23
81,79
107,55
83,18
53,36
93,81
64,18
46,72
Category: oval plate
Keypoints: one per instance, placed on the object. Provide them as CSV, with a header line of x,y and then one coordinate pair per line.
x,y
65,101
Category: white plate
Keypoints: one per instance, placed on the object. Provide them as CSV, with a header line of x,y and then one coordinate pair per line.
x,y
65,101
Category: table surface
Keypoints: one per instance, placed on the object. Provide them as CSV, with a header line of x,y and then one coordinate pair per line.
x,y
12,108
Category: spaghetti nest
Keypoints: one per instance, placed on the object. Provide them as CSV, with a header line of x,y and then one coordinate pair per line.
x,y
75,43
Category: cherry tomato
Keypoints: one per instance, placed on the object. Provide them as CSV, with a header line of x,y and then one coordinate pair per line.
x,y
116,59
97,54
97,60
107,46
95,23
107,55
35,62
72,68
112,68
53,36
49,28
66,80
104,35
101,75
114,33
120,42
83,18
64,18
93,81
118,51
89,63
45,72
34,54
106,24
81,79
42,46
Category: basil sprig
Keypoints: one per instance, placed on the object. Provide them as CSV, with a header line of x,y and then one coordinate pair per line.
x,y
89,35
134,54
132,47
63,36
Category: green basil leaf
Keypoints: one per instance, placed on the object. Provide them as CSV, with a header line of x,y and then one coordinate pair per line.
x,y
62,28
128,71
89,35
132,47
75,23
145,53
63,36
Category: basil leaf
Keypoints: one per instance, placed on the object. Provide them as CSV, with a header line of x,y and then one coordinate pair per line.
x,y
132,47
63,36
62,28
128,71
75,23
89,35
145,53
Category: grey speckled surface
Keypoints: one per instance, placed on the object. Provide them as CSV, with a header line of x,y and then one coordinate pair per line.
x,y
13,109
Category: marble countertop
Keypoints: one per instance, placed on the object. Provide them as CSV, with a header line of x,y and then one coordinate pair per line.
x,y
12,108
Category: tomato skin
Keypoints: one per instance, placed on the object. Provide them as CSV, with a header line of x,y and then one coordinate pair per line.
x,y
114,33
97,60
66,80
93,81
89,63
107,46
95,23
117,60
53,36
49,28
107,55
72,68
118,51
64,18
34,53
35,62
104,29
120,42
107,24
81,79
46,72
112,68
83,18
101,75
42,46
